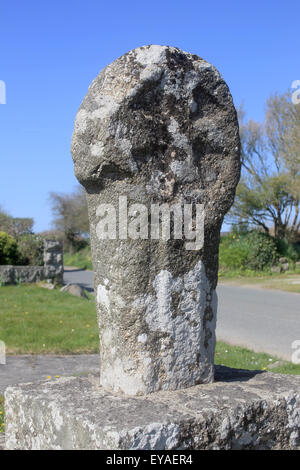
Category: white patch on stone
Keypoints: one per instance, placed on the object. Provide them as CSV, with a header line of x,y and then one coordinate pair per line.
x,y
81,121
151,72
107,106
150,55
184,170
155,184
56,416
133,166
122,376
147,361
155,436
186,343
191,80
107,337
180,140
142,338
173,126
172,87
125,145
200,66
97,149
293,406
118,301
193,106
102,296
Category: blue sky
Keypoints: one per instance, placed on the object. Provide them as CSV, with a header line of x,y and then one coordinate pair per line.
x,y
51,51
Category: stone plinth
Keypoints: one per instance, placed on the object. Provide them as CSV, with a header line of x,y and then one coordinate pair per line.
x,y
241,410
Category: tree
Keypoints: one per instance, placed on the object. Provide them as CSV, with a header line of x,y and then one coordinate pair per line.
x,y
70,216
8,249
30,250
269,191
15,226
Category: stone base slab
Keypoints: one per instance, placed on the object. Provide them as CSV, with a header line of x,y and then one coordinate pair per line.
x,y
240,410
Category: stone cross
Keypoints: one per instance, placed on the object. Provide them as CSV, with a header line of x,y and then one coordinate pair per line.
x,y
156,132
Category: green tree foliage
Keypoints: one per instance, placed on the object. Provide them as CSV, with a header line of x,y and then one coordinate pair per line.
x,y
30,249
15,226
70,216
268,194
254,250
8,249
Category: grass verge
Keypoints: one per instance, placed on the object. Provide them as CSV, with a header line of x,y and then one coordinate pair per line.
x,y
34,320
288,281
243,358
82,259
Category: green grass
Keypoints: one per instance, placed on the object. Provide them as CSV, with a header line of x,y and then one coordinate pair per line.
x,y
243,358
288,281
81,259
39,321
1,413
248,257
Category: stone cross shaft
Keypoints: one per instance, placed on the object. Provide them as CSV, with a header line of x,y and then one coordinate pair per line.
x,y
157,130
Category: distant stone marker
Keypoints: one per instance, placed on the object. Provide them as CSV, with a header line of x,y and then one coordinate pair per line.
x,y
157,126
53,260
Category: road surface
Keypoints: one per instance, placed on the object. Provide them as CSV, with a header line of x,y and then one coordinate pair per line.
x,y
79,276
260,319
32,368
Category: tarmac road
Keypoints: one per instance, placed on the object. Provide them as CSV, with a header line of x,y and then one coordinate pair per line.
x,y
263,320
79,276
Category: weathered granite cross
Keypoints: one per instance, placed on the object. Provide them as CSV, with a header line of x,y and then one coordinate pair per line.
x,y
157,126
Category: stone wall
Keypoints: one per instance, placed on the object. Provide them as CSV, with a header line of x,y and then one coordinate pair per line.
x,y
15,274
53,267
